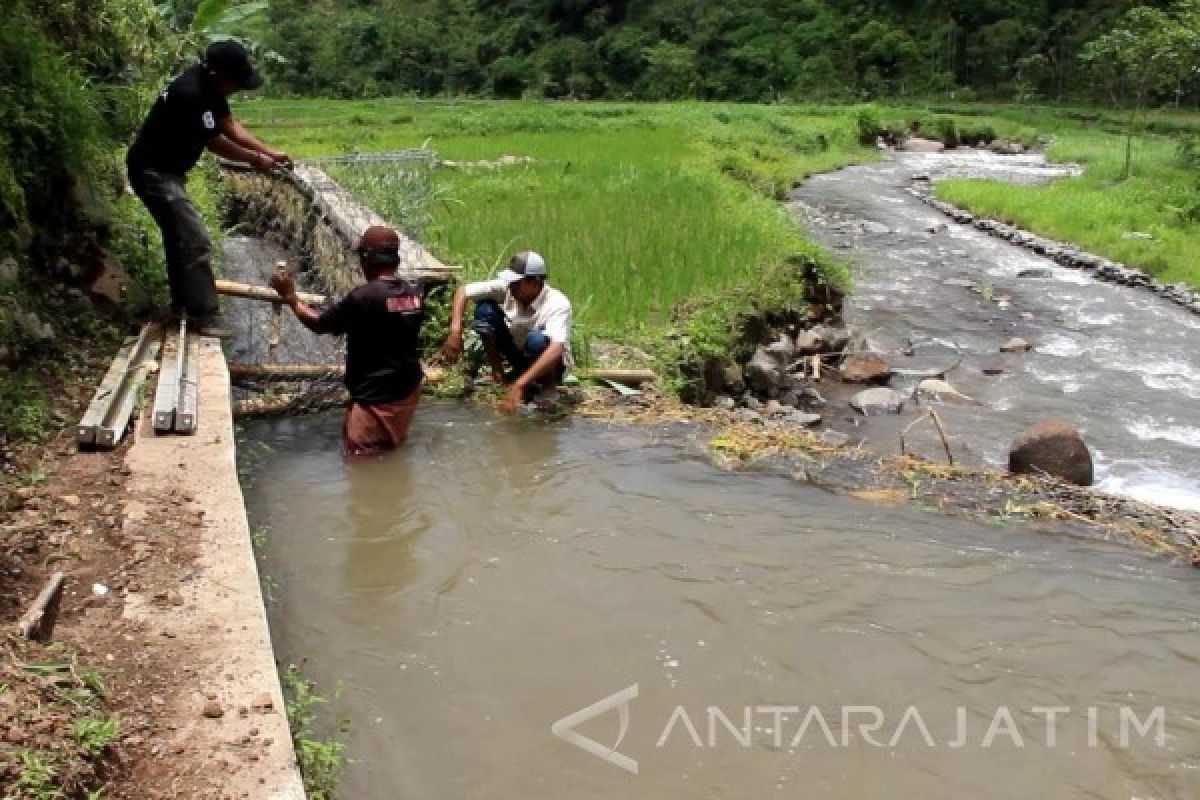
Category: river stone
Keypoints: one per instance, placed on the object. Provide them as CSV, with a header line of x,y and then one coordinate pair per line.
x,y
879,400
782,349
836,339
1055,448
812,397
875,228
802,419
866,368
941,389
762,372
1035,272
1016,345
809,343
918,145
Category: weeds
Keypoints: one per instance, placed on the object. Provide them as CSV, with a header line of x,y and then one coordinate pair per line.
x,y
94,734
322,759
38,779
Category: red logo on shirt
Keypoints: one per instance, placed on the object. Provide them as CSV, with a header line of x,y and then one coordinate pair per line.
x,y
407,302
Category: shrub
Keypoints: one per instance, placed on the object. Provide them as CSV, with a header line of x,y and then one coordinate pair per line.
x,y
870,126
972,135
947,132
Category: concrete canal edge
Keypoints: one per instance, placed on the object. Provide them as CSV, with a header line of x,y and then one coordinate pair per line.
x,y
231,723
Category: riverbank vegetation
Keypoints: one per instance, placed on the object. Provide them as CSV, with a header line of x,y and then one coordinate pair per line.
x,y
1150,220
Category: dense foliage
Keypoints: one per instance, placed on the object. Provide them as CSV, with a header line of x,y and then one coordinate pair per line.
x,y
761,50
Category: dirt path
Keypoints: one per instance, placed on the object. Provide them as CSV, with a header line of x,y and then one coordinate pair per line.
x,y
153,683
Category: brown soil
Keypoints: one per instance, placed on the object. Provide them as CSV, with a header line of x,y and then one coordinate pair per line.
x,y
65,510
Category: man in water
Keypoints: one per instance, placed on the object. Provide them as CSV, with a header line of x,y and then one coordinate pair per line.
x,y
382,323
522,321
189,116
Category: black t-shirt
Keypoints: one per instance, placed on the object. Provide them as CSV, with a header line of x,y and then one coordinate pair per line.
x,y
382,322
184,117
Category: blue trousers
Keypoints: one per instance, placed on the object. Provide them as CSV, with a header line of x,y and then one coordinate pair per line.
x,y
492,325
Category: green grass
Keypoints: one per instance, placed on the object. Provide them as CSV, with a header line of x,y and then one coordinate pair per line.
x,y
1098,208
637,208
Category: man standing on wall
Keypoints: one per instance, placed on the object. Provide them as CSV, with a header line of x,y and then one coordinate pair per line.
x,y
523,322
382,322
190,115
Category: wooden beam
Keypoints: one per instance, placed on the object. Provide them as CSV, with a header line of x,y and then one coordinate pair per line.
x,y
633,377
264,293
38,621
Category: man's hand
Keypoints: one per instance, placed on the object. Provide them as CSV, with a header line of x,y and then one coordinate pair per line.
x,y
263,162
511,401
452,349
280,158
285,283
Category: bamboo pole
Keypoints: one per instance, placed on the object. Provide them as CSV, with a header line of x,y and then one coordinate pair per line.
x,y
38,621
633,377
264,293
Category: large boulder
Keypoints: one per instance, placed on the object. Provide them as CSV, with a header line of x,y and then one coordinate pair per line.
x,y
1055,448
866,368
877,401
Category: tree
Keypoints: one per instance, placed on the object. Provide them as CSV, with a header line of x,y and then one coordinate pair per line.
x,y
670,72
1149,53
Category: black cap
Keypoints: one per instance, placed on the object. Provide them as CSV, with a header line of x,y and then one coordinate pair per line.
x,y
229,60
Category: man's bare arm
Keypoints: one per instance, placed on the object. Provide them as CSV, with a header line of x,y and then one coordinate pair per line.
x,y
237,133
546,363
227,148
284,283
452,349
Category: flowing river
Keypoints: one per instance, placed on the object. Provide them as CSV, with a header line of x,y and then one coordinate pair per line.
x,y
497,575
1121,364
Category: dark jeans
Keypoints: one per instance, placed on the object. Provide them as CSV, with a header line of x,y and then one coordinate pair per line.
x,y
185,240
490,323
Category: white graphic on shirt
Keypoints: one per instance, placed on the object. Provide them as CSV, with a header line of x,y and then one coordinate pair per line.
x,y
209,122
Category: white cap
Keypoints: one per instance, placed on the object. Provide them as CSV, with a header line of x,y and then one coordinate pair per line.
x,y
523,265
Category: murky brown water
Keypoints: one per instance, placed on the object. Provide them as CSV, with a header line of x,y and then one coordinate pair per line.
x,y
497,575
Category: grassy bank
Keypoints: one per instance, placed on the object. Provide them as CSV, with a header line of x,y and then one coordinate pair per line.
x,y
1100,209
637,207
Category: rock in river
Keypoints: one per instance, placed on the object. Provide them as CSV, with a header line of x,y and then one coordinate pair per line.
x,y
877,401
1052,447
866,368
762,371
1016,345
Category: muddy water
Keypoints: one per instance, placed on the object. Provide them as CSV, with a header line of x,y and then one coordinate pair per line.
x,y
497,575
1122,364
